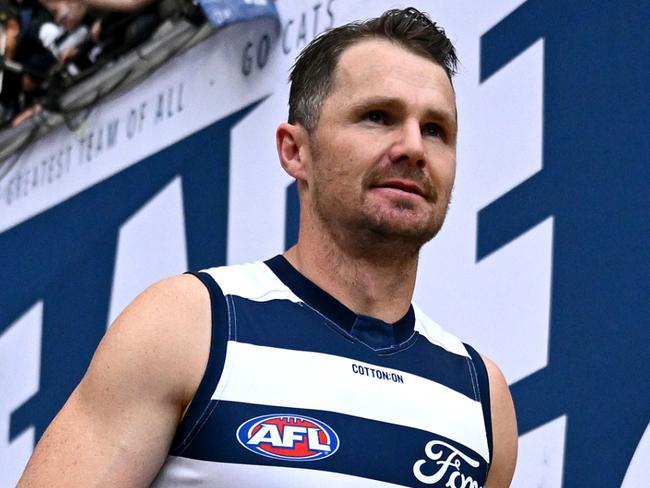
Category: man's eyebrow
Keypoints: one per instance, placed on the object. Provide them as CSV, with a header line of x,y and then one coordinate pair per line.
x,y
396,103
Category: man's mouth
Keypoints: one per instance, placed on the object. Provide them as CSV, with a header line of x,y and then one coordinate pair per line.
x,y
402,185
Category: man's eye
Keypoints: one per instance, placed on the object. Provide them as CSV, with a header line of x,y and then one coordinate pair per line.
x,y
376,117
432,130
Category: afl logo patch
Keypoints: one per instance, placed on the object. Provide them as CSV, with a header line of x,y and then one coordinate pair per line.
x,y
288,437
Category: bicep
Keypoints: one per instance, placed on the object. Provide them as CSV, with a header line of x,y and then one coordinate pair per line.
x,y
504,430
118,424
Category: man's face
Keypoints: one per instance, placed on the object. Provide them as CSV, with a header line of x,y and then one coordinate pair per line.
x,y
384,150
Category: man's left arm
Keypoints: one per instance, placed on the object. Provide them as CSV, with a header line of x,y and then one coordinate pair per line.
x,y
504,429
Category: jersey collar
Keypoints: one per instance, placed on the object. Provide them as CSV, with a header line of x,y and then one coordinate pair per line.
x,y
373,332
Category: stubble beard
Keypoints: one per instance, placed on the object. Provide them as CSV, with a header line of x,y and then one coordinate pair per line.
x,y
369,232
386,230
398,221
364,230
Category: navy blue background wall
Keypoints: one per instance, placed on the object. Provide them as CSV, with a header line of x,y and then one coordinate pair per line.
x,y
595,184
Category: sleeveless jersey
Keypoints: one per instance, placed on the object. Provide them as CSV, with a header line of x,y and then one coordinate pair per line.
x,y
299,391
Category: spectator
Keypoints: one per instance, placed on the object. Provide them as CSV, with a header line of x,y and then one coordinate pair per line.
x,y
93,35
51,44
23,86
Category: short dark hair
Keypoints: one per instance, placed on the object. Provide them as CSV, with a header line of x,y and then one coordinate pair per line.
x,y
312,74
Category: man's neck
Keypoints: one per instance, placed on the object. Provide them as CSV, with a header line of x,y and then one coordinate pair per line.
x,y
379,288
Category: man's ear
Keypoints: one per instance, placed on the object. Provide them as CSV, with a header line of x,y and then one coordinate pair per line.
x,y
293,150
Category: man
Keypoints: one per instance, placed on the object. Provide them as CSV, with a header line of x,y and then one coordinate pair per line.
x,y
312,368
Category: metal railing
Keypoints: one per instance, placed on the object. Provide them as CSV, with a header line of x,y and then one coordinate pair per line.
x,y
170,39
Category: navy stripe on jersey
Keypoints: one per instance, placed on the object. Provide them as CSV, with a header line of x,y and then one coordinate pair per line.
x,y
373,332
201,406
484,390
289,325
367,448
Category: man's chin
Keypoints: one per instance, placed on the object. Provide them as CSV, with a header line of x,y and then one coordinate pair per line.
x,y
413,231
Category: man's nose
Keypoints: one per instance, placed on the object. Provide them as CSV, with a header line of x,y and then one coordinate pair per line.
x,y
409,145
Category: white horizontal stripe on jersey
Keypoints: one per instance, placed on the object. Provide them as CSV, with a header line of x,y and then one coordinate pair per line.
x,y
204,473
265,375
254,281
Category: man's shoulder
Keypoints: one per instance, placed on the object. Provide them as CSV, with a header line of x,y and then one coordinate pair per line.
x,y
170,298
166,310
169,323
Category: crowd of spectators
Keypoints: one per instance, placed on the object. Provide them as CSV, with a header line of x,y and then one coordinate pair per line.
x,y
48,45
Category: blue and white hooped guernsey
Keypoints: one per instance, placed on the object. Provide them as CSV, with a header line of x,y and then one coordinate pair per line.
x,y
301,392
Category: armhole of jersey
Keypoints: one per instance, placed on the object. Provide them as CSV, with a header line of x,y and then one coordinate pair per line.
x,y
201,405
484,390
